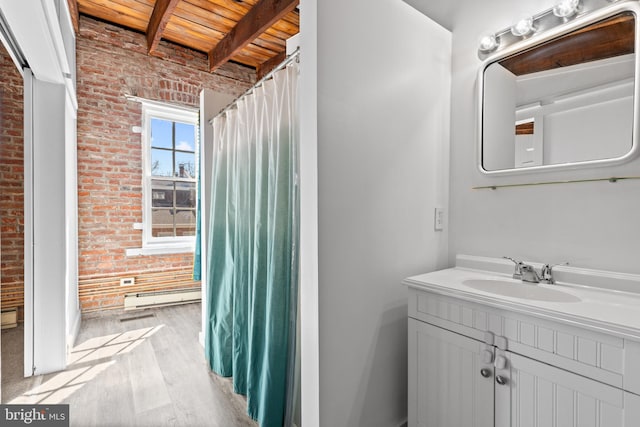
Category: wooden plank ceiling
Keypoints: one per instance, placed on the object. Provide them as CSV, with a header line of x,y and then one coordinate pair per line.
x,y
249,32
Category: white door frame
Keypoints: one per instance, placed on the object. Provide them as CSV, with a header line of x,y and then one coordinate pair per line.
x,y
28,223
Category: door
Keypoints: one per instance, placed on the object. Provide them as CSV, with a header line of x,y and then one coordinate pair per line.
x,y
534,394
449,384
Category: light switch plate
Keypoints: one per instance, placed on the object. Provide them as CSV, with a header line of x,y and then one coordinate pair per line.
x,y
438,219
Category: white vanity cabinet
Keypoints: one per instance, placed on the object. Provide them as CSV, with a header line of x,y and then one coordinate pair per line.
x,y
537,394
449,384
477,365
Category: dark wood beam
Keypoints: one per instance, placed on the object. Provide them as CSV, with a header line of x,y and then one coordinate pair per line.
x,y
525,128
264,68
260,17
612,37
75,15
159,18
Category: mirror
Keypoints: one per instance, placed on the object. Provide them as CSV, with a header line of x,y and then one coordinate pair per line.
x,y
562,102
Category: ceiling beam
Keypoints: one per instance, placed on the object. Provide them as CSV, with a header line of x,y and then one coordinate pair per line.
x,y
264,68
600,40
258,19
75,15
162,11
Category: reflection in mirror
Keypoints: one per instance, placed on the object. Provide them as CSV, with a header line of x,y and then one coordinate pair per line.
x,y
566,101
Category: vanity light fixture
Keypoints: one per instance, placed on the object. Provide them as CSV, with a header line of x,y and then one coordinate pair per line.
x,y
523,27
489,43
566,8
563,11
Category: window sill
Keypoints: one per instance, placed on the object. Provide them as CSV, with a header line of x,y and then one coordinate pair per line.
x,y
160,250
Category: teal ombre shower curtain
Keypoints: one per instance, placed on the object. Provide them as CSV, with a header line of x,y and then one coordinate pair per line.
x,y
253,247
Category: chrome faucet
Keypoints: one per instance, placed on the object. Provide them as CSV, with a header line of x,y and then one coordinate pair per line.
x,y
527,273
517,273
547,273
524,272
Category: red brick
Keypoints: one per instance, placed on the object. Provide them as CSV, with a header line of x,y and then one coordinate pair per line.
x,y
113,62
11,178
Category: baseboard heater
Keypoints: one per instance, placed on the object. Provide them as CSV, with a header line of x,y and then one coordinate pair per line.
x,y
161,298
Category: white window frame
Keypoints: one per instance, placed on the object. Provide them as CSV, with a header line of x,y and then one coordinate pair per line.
x,y
161,245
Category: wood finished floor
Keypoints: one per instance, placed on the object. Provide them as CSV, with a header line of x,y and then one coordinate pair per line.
x,y
148,371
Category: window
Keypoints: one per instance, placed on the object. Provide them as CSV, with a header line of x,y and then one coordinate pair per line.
x,y
170,138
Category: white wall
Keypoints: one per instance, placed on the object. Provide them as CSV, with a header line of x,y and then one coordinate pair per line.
x,y
42,30
601,130
591,225
49,228
71,224
500,110
383,73
309,310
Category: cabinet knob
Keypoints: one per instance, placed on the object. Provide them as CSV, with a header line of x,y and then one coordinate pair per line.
x,y
501,380
485,372
501,362
487,356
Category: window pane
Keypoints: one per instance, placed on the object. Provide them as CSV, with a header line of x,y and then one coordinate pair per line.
x,y
185,194
185,165
161,194
186,223
161,133
185,137
172,152
161,162
162,222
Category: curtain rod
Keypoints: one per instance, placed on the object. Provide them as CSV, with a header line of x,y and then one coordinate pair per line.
x,y
270,74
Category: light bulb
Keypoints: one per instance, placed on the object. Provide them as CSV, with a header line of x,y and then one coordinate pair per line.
x,y
523,27
566,8
489,43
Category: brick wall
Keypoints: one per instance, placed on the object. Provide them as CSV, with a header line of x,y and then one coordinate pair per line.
x,y
11,185
112,62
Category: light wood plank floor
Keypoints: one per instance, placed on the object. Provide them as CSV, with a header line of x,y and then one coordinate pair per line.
x,y
147,371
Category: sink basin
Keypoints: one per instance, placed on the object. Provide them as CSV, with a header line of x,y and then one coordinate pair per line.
x,y
520,290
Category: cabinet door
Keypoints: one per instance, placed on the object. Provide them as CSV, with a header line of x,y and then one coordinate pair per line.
x,y
535,394
446,385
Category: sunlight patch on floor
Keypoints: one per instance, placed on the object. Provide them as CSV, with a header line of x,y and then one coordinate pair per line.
x,y
87,360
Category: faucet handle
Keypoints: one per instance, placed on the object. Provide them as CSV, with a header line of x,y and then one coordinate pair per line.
x,y
547,272
517,273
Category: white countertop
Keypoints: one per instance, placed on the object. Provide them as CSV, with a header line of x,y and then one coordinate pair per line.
x,y
609,311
